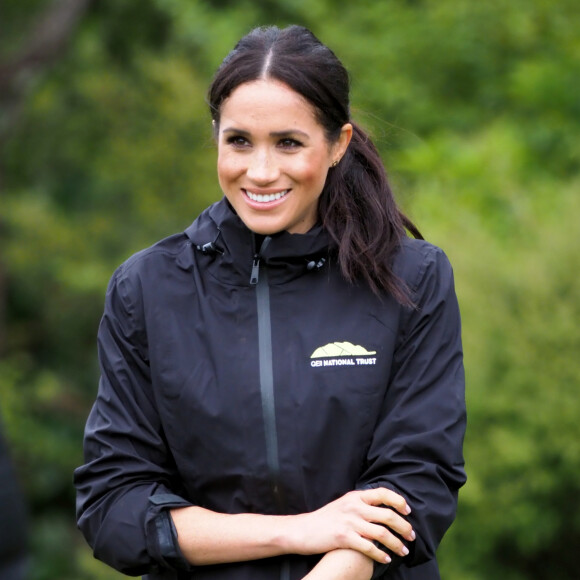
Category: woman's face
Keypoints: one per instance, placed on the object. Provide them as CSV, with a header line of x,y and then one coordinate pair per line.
x,y
273,157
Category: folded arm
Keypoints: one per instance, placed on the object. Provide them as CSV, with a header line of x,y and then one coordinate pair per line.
x,y
416,448
350,523
128,492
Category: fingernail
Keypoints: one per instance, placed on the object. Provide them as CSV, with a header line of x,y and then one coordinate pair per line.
x,y
408,510
387,559
405,551
413,536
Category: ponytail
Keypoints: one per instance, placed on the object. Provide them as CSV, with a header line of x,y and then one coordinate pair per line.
x,y
358,210
356,206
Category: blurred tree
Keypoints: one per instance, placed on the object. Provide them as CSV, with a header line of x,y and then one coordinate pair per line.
x,y
106,146
44,45
510,241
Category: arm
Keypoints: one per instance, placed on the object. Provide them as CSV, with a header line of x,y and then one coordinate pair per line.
x,y
128,476
351,522
128,488
342,565
416,448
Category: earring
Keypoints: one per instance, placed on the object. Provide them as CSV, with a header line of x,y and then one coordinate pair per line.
x,y
334,163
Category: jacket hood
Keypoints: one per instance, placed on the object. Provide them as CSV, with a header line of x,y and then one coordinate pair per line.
x,y
224,240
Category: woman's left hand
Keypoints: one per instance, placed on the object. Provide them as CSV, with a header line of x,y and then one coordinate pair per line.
x,y
354,521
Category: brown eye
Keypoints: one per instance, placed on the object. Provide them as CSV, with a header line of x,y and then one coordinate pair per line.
x,y
237,141
289,143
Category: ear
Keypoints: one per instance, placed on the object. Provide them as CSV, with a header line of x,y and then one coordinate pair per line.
x,y
341,145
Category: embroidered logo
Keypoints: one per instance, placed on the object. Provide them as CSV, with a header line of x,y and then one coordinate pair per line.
x,y
342,354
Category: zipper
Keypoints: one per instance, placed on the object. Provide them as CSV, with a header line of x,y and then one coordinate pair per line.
x,y
255,275
259,278
285,570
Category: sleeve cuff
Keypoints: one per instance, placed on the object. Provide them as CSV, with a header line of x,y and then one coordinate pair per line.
x,y
161,532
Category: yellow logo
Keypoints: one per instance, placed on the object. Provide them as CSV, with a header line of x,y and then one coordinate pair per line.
x,y
333,349
342,354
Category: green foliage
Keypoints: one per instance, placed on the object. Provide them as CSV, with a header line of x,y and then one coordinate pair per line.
x,y
510,243
474,107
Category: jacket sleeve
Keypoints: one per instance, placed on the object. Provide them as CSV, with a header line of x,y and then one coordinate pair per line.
x,y
416,449
128,480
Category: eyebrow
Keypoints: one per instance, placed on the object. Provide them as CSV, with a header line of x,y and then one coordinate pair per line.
x,y
277,134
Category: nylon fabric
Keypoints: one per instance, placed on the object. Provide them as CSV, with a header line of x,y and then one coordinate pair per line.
x,y
267,382
354,391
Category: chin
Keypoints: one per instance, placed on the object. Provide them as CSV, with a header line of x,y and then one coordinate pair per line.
x,y
261,228
264,231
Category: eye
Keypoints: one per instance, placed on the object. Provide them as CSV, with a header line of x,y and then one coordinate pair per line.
x,y
237,141
289,143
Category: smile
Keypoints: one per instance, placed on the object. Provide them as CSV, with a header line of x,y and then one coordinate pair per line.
x,y
266,198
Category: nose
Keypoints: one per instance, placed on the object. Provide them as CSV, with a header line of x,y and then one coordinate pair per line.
x,y
262,167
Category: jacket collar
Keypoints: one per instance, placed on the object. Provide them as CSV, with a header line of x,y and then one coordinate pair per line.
x,y
229,247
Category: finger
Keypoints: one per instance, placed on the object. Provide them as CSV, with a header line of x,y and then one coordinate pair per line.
x,y
366,547
386,538
393,521
390,518
384,496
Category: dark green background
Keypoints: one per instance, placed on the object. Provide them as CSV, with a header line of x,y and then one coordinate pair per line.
x,y
106,147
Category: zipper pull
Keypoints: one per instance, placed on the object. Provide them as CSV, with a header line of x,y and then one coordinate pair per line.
x,y
256,261
255,270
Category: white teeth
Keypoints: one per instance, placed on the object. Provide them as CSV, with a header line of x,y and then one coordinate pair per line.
x,y
266,198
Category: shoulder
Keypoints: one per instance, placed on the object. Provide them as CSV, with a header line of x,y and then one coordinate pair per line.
x,y
146,271
422,265
168,260
164,251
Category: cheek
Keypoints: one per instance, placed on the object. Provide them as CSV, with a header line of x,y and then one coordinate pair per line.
x,y
228,167
314,171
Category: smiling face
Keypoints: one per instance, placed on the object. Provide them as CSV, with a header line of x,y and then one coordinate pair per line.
x,y
273,157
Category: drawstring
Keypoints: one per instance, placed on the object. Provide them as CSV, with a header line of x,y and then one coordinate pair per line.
x,y
316,265
211,247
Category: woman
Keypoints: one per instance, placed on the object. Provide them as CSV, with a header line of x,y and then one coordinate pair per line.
x,y
282,384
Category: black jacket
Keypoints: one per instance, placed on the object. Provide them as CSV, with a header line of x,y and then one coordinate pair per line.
x,y
246,379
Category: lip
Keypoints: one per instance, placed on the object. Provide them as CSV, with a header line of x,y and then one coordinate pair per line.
x,y
263,192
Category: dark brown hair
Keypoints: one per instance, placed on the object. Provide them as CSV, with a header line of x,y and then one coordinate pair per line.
x,y
357,207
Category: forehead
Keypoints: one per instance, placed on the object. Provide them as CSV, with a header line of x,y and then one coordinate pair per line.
x,y
267,101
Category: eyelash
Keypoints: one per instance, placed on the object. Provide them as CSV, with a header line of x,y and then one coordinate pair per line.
x,y
289,143
239,142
